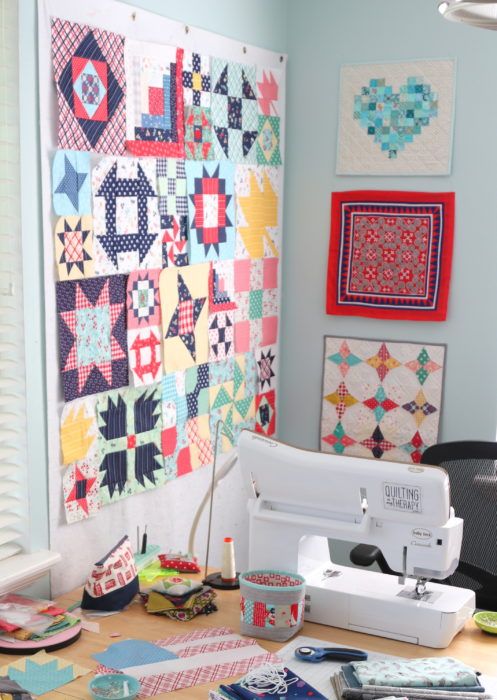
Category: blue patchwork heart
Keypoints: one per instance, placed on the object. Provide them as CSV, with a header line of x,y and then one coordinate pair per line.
x,y
395,118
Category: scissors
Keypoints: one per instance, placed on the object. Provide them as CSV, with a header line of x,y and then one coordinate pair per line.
x,y
316,654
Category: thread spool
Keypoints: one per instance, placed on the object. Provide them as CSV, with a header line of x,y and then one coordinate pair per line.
x,y
228,570
227,578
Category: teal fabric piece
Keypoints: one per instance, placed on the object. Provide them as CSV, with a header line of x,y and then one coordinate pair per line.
x,y
41,678
415,673
132,652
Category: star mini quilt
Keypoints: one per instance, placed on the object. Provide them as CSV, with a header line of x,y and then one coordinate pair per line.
x,y
256,298
390,254
154,108
130,426
211,206
396,118
184,295
234,111
257,195
144,327
91,88
126,223
92,335
381,399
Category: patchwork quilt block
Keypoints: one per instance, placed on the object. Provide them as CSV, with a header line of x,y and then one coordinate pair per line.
x,y
81,491
257,193
91,88
92,335
79,448
184,295
174,241
267,368
256,297
221,335
381,399
196,79
71,183
144,327
199,138
173,211
154,109
268,92
390,254
234,110
130,427
268,141
78,430
265,413
396,118
211,211
74,247
125,216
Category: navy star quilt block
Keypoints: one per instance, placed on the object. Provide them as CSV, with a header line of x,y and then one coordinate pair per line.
x,y
211,211
92,335
91,88
126,223
184,295
234,111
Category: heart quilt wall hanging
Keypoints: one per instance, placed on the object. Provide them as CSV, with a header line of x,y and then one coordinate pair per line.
x,y
396,118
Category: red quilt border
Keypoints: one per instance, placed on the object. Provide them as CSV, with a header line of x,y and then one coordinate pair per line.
x,y
438,314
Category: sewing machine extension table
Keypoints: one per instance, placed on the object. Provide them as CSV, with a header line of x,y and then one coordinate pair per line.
x,y
471,645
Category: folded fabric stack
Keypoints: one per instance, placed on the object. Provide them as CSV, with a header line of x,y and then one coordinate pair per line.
x,y
437,678
179,598
10,690
23,618
269,680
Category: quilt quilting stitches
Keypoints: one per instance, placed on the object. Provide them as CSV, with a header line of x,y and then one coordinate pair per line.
x,y
211,211
125,215
130,426
257,212
390,254
91,89
74,247
184,293
71,183
154,109
381,399
396,118
234,111
92,335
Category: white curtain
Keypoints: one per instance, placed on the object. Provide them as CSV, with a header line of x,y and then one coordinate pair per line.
x,y
13,505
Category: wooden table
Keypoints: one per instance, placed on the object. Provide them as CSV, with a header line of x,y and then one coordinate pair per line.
x,y
471,645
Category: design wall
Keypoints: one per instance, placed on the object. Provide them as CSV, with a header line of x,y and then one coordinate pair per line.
x,y
166,191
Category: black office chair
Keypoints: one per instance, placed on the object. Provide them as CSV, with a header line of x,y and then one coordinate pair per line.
x,y
472,469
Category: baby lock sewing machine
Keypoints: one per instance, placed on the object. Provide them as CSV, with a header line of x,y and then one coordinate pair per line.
x,y
298,499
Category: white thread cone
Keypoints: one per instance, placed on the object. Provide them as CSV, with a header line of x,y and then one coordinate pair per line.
x,y
228,570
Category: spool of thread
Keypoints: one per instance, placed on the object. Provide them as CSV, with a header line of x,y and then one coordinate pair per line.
x,y
228,570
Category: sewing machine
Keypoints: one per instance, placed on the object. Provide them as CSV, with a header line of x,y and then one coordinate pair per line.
x,y
298,499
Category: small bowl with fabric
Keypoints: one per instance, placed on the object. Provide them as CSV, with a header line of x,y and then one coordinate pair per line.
x,y
486,621
271,604
114,686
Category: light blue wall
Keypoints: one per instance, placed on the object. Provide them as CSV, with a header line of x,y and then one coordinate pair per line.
x,y
323,34
258,22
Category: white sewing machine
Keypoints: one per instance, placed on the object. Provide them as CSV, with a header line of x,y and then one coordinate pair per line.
x,y
298,499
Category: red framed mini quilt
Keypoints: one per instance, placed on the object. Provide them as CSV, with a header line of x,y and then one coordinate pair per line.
x,y
390,254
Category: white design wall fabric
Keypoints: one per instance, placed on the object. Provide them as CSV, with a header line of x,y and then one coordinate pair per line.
x,y
160,230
